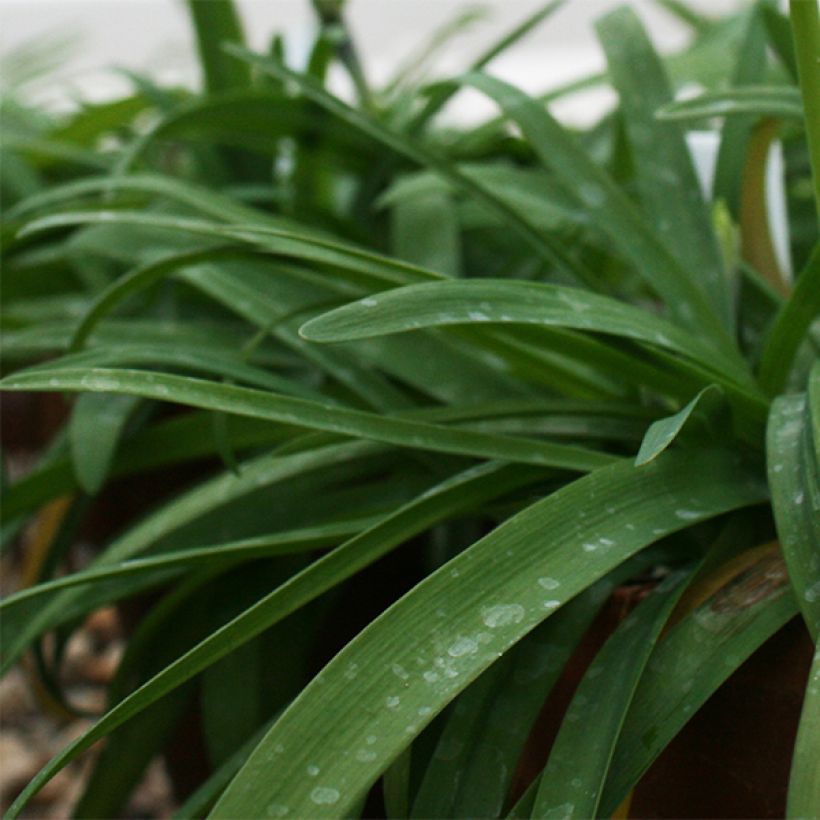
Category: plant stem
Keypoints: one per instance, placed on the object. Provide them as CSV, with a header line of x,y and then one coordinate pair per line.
x,y
805,19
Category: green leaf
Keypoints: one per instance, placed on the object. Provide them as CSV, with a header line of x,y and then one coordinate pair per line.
x,y
425,231
791,326
612,211
463,491
96,426
414,661
669,188
794,478
260,472
780,101
544,246
216,22
804,780
501,301
363,265
704,413
696,657
750,69
154,569
579,761
439,99
244,401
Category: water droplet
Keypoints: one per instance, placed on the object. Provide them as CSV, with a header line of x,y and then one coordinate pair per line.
x,y
502,615
324,796
688,515
812,594
430,676
462,646
424,711
551,604
277,810
370,740
549,583
590,547
798,497
399,671
313,771
369,302
365,755
478,316
392,701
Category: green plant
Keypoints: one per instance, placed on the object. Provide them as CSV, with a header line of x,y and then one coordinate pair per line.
x,y
447,389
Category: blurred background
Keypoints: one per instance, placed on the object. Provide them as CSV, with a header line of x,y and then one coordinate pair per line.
x,y
91,39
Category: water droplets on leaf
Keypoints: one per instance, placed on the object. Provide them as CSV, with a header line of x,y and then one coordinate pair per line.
x,y
812,593
549,583
392,701
462,646
324,796
502,615
399,671
313,771
365,755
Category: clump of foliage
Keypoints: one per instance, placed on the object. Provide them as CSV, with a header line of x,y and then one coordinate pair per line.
x,y
410,402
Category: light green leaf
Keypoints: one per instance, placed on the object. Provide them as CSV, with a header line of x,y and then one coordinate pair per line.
x,y
695,658
794,478
579,761
791,327
433,642
515,302
244,401
705,412
94,431
613,213
544,246
759,100
804,779
669,188
462,492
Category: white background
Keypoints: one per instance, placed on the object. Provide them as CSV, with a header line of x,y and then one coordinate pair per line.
x,y
153,36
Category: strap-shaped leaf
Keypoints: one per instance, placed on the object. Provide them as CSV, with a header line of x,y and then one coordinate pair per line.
x,y
613,212
461,492
668,185
515,302
794,478
543,244
804,780
781,101
793,322
18,632
96,426
692,661
432,643
217,22
311,415
576,771
706,412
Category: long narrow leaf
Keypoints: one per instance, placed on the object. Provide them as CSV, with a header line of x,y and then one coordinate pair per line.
x,y
489,598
